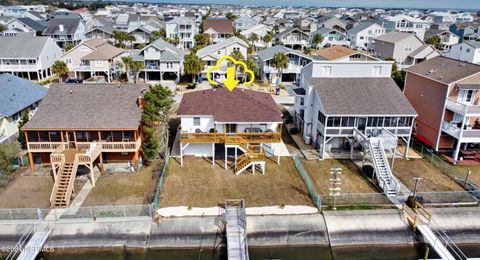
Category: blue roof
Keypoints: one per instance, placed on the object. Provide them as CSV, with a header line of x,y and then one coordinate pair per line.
x,y
17,94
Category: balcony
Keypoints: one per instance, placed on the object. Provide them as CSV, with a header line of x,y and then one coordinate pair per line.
x,y
42,147
465,136
461,108
18,67
253,138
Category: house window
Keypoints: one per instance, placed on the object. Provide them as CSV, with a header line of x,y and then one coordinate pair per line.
x,y
300,101
219,52
377,70
196,121
327,70
466,96
68,61
99,62
321,118
468,50
16,117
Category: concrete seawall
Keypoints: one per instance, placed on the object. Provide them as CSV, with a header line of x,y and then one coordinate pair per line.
x,y
338,229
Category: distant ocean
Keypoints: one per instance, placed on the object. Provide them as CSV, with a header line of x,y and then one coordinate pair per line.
x,y
466,5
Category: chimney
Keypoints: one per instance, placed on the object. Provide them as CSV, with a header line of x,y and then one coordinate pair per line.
x,y
141,102
60,27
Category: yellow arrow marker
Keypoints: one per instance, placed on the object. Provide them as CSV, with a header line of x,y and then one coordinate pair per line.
x,y
230,82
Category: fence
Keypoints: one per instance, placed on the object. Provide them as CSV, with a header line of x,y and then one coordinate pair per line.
x,y
445,167
317,200
450,197
376,199
91,213
161,180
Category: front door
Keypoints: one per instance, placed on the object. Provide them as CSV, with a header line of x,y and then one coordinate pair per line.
x,y
362,124
70,138
231,128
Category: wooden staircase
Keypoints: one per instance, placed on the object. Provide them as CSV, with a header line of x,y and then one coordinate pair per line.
x,y
63,187
249,158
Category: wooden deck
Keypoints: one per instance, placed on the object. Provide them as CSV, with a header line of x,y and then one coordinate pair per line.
x,y
70,154
227,138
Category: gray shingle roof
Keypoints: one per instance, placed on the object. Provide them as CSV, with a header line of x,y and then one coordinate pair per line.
x,y
394,37
169,52
32,24
361,96
69,26
360,27
181,20
31,46
444,69
211,48
18,94
268,53
83,106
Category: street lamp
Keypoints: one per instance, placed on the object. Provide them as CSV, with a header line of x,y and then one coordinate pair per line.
x,y
417,179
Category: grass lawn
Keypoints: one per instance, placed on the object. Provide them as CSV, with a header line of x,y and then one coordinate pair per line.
x,y
199,184
122,188
461,173
288,141
352,180
29,191
433,178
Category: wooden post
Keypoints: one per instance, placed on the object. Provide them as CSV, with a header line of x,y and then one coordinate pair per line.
x,y
135,158
92,175
225,157
32,163
181,154
213,154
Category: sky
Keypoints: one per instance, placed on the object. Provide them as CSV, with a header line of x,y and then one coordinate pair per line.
x,y
424,4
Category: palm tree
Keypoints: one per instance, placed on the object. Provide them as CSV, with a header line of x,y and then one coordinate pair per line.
x,y
127,64
60,69
137,66
174,40
307,51
253,38
280,62
316,40
268,39
160,33
251,65
202,39
192,65
238,56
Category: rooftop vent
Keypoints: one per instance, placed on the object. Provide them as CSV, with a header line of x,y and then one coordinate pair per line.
x,y
118,86
71,91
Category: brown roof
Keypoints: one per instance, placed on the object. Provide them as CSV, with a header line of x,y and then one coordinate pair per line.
x,y
104,52
219,25
334,52
95,42
445,70
86,106
240,105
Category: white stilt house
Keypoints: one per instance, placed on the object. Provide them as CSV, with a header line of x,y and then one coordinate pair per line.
x,y
337,97
215,121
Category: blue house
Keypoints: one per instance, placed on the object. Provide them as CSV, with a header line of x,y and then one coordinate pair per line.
x,y
17,96
464,30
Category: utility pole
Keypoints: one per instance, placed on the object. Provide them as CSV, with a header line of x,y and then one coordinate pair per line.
x,y
335,183
417,179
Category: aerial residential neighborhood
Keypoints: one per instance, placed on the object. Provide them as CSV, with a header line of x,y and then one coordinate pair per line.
x,y
249,130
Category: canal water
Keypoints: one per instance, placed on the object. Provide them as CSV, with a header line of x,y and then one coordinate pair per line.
x,y
295,253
